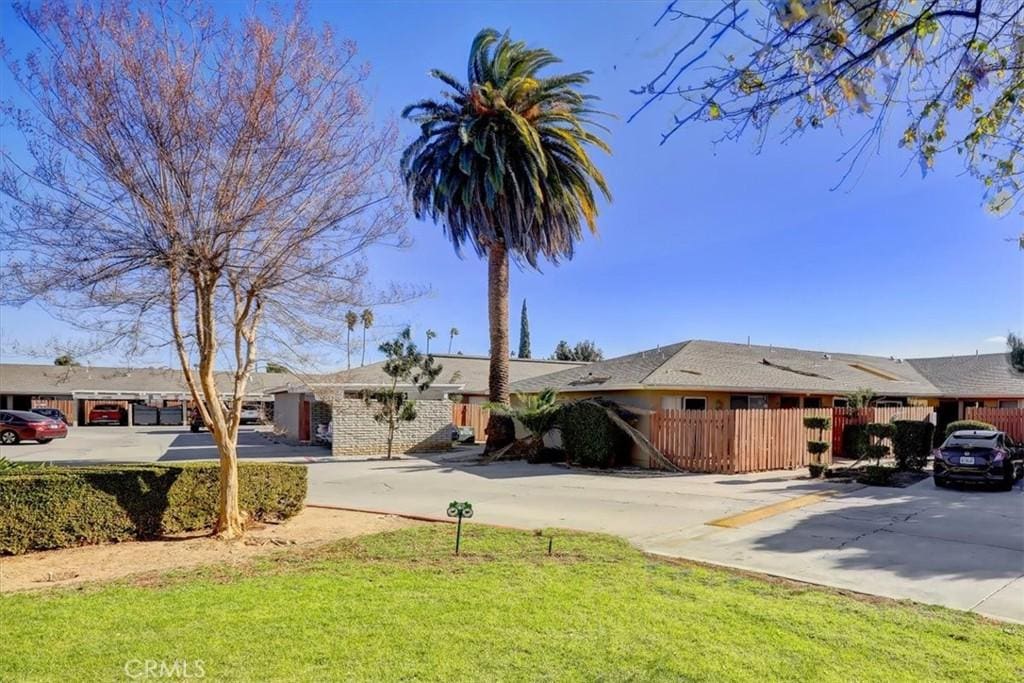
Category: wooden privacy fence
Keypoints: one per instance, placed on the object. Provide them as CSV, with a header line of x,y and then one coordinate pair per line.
x,y
842,417
64,405
735,441
1009,420
468,415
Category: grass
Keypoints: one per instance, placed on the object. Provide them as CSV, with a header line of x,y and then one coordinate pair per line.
x,y
399,606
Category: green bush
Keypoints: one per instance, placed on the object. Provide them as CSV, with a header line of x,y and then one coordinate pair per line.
x,y
60,507
817,447
880,430
877,475
820,423
911,443
590,438
967,424
855,441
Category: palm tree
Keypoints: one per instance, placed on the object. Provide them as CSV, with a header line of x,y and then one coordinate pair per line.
x,y
430,335
367,318
452,334
502,163
350,322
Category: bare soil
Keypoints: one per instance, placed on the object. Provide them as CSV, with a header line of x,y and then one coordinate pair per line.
x,y
70,566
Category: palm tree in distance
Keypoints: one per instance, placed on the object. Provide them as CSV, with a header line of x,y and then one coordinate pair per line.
x,y
430,335
452,334
350,322
502,162
367,318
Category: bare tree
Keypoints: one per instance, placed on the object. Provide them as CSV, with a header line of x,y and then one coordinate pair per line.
x,y
195,181
948,74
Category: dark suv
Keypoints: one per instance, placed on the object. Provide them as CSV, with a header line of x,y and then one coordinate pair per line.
x,y
979,456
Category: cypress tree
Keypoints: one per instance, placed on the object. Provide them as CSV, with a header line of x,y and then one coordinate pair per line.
x,y
524,333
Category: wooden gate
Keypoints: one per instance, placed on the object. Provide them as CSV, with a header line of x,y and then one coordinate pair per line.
x,y
1009,420
475,416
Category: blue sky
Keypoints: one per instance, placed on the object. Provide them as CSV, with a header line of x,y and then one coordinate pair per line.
x,y
701,241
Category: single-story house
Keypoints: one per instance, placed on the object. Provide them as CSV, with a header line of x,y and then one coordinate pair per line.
x,y
702,375
76,389
305,407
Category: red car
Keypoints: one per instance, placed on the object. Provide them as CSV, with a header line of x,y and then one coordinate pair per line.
x,y
22,425
104,414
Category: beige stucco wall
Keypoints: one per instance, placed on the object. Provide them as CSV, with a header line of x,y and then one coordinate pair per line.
x,y
357,433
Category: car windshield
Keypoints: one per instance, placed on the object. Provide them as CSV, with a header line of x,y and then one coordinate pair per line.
x,y
105,407
27,416
971,441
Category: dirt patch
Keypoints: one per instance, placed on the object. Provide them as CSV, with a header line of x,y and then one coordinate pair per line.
x,y
311,527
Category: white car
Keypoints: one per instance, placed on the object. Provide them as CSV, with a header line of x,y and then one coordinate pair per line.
x,y
252,413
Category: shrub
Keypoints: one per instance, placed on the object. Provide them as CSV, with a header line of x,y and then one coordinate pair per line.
x,y
819,423
816,469
877,475
61,507
911,443
967,424
855,441
880,430
589,437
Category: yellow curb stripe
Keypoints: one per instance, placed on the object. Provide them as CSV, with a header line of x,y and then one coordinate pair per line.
x,y
757,514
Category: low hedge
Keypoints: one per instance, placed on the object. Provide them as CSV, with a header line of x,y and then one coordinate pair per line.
x,y
911,443
960,425
60,507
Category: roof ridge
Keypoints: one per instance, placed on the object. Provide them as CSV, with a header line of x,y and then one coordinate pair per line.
x,y
682,345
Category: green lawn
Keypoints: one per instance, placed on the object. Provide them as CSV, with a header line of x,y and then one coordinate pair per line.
x,y
399,606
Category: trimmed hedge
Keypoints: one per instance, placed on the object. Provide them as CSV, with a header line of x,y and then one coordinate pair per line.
x,y
911,443
855,441
590,438
968,424
61,507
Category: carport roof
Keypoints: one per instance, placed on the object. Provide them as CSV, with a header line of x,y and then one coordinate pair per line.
x,y
41,380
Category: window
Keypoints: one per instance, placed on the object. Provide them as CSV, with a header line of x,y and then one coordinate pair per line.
x,y
789,402
840,402
1011,403
671,402
744,402
695,403
889,404
812,402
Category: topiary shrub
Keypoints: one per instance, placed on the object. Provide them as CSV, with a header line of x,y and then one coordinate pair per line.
x,y
877,475
878,432
60,507
960,425
590,438
911,443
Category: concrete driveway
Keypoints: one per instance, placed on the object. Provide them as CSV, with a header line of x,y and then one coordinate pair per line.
x,y
962,549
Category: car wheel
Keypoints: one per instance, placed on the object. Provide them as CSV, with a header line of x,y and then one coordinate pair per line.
x,y
9,437
941,483
44,440
1008,480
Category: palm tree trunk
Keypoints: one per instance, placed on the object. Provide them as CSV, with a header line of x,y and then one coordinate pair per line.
x,y
348,350
362,360
497,313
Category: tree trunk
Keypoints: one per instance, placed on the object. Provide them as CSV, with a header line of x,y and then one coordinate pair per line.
x,y
230,520
497,313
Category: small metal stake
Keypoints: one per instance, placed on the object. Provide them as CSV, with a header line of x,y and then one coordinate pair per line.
x,y
459,510
550,541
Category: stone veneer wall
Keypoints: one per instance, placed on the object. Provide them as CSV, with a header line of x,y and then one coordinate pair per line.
x,y
357,433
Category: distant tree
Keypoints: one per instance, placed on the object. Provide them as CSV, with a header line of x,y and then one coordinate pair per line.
x,y
430,335
275,368
367,319
585,351
949,74
404,364
1015,344
524,333
66,360
181,177
452,334
350,324
502,162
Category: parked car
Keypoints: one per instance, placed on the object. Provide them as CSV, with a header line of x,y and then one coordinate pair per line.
x,y
978,456
24,425
106,414
252,413
52,413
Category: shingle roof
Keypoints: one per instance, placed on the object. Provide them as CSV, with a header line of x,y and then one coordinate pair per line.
x,y
741,367
470,371
44,380
986,375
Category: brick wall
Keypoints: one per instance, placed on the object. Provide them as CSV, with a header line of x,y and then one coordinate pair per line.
x,y
357,433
